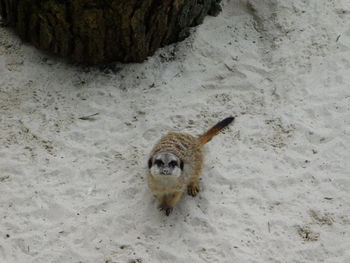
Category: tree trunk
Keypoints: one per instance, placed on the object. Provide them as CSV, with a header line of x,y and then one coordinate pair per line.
x,y
100,31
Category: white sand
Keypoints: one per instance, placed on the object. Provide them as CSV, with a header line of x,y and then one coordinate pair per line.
x,y
275,186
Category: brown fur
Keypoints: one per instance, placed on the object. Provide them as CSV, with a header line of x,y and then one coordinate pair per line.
x,y
189,149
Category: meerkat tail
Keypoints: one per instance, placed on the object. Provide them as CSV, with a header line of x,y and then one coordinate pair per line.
x,y
206,137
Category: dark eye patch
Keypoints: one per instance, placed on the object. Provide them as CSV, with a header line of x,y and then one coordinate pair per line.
x,y
159,162
182,165
149,163
173,164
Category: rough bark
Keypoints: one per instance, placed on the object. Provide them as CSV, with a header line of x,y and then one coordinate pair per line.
x,y
99,31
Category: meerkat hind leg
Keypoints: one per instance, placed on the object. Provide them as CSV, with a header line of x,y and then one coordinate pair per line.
x,y
193,187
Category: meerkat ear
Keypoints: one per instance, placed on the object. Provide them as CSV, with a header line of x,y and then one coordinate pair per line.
x,y
182,165
149,163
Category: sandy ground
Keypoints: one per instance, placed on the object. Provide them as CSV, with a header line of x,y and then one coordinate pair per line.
x,y
74,143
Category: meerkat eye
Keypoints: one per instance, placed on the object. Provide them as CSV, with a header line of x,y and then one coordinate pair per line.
x,y
159,163
173,164
149,163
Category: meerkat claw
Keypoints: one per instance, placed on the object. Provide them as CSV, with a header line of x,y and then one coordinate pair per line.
x,y
165,208
193,189
168,211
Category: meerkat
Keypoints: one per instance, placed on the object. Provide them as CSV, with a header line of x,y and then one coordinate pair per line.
x,y
175,165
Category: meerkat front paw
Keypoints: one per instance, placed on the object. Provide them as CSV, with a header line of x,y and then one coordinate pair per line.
x,y
193,188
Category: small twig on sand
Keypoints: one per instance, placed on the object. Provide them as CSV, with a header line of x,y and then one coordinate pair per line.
x,y
337,38
89,117
229,68
4,178
328,198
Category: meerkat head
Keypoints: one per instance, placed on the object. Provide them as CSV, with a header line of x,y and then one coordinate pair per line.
x,y
165,163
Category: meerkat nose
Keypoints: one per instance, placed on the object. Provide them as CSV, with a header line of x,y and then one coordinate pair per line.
x,y
166,171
